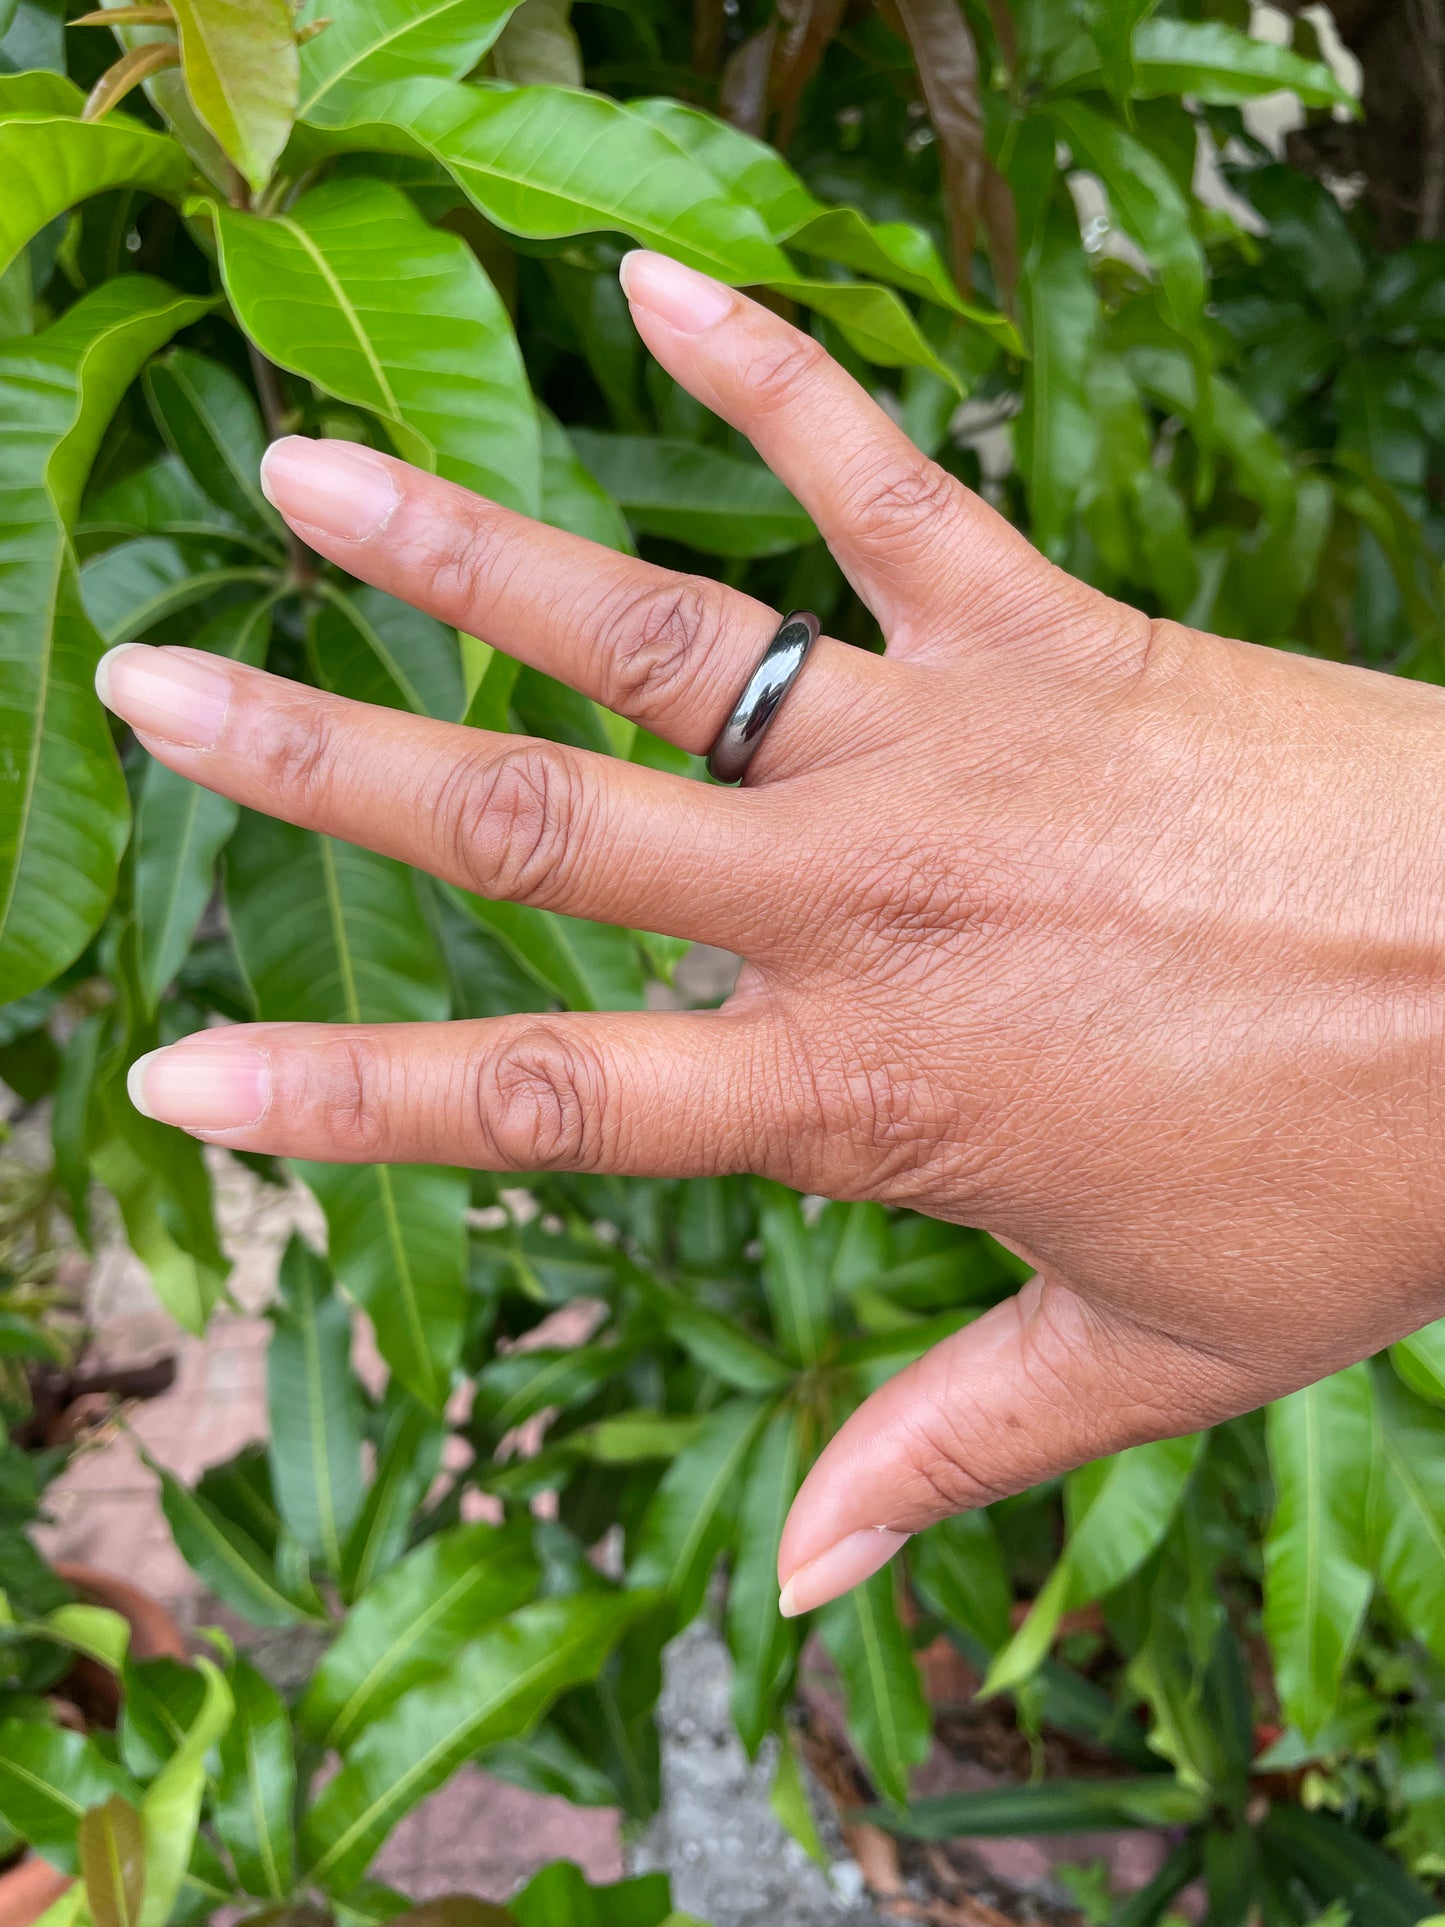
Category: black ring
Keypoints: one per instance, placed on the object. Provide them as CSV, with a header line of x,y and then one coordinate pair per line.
x,y
777,671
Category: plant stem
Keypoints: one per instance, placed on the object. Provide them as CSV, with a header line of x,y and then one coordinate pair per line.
x,y
304,561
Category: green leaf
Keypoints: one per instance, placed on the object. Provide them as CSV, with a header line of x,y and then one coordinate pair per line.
x,y
764,1645
315,1408
370,42
546,162
788,1798
1146,202
1420,1361
1411,1435
181,828
406,1462
561,1896
112,1854
374,649
549,162
795,1277
1317,1578
718,1344
692,1512
63,810
412,1624
572,498
48,1778
1211,61
958,1569
242,77
255,1789
171,1808
228,1560
158,1177
888,1717
495,1689
719,503
754,173
50,161
137,585
329,932
353,290
515,1387
96,1631
1054,437
160,1701
1119,1512
212,425
162,498
586,966
1334,1862
1049,1806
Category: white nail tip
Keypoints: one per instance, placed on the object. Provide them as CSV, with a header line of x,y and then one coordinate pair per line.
x,y
103,668
135,1083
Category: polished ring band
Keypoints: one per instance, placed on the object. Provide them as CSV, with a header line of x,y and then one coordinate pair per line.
x,y
738,739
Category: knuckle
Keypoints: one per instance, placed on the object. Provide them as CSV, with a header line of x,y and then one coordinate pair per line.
x,y
899,501
780,374
541,1102
297,752
456,555
651,646
933,1456
355,1100
510,820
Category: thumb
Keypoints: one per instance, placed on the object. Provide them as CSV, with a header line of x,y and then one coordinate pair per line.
x,y
1038,1385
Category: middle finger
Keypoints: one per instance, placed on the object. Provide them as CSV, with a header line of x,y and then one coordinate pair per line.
x,y
508,817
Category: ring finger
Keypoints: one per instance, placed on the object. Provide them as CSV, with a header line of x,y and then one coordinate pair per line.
x,y
669,651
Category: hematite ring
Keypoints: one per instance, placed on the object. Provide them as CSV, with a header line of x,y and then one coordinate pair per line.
x,y
738,739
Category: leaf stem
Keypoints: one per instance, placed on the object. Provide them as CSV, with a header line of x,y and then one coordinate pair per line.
x,y
304,561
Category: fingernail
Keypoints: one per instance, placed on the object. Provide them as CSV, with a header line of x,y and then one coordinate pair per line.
x,y
338,488
839,1569
179,698
201,1087
683,298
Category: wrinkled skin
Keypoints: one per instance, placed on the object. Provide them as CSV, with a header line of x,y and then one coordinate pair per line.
x,y
1121,941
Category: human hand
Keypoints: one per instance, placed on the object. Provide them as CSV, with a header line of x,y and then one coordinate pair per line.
x,y
1119,940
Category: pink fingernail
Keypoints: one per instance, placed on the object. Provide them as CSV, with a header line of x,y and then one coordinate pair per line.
x,y
839,1569
179,697
201,1086
337,488
683,298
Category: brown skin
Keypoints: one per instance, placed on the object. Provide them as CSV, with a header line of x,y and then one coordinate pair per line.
x,y
1122,941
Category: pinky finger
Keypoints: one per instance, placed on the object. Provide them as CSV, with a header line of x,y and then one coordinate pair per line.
x,y
636,1093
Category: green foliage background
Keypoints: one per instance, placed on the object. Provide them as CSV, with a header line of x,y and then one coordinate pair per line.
x,y
406,230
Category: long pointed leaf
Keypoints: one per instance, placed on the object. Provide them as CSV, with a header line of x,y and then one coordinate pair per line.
x,y
1317,1580
764,1645
692,1511
315,1408
495,1690
63,810
413,1623
255,1790
326,931
888,1715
